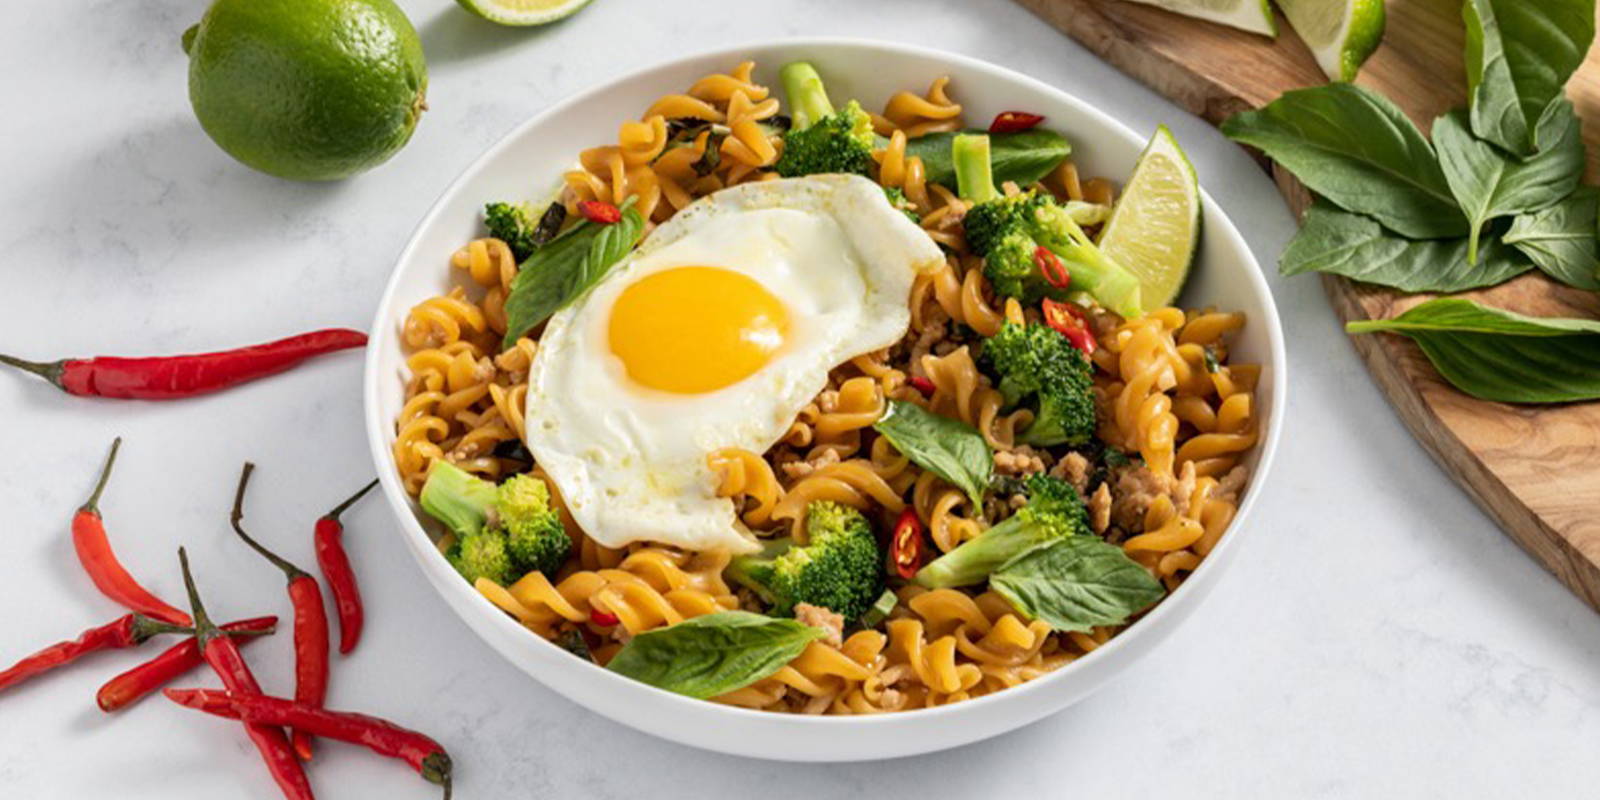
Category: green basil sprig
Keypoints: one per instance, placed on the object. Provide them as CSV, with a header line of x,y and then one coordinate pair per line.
x,y
949,448
1519,55
713,654
566,267
1561,239
1499,355
1489,183
1022,156
1355,148
1077,582
1336,241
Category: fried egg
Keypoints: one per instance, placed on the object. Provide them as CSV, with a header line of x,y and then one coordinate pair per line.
x,y
714,333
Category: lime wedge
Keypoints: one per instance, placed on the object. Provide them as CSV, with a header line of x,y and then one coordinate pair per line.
x,y
1155,227
523,13
1340,33
1254,16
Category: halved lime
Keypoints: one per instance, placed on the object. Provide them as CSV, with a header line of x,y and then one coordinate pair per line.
x,y
1340,33
1155,227
523,13
1254,16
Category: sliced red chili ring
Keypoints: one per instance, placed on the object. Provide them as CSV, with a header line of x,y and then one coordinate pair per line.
x,y
921,384
905,546
598,212
1051,268
1069,321
604,619
1013,121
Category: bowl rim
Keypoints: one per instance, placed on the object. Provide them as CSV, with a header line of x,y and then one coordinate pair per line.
x,y
380,431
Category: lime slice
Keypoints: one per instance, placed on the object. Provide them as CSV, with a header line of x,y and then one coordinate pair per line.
x,y
1156,225
1340,33
1254,16
523,13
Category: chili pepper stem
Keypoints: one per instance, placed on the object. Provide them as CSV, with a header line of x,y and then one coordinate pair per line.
x,y
204,630
145,628
350,501
237,520
436,769
49,370
92,505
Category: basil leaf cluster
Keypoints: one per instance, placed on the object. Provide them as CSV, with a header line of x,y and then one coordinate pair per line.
x,y
1494,194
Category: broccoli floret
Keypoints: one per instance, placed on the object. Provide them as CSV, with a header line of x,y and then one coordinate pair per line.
x,y
514,224
821,139
1008,230
840,569
535,537
482,554
1054,511
502,532
1038,365
897,198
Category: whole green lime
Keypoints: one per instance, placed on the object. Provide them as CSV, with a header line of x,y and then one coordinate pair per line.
x,y
307,89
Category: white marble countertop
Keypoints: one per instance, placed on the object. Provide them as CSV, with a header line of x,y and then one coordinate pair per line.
x,y
1378,638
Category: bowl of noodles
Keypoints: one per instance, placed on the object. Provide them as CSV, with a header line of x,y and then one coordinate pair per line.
x,y
757,458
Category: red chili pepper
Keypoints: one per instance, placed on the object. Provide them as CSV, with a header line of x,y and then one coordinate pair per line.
x,y
921,384
1069,320
310,619
1013,121
1051,268
129,630
97,558
335,563
130,687
425,755
172,377
222,653
905,546
598,212
604,619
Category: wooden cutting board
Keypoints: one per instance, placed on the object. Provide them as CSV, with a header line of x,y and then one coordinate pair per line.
x,y
1536,470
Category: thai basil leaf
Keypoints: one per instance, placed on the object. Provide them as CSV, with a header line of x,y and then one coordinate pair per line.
x,y
1490,183
713,654
561,271
1077,583
949,448
1358,150
1022,156
1336,241
1561,239
1519,55
1499,355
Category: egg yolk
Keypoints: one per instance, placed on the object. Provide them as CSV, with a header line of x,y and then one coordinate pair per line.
x,y
691,330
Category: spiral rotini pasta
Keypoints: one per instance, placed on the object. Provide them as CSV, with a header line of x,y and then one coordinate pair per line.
x,y
1168,395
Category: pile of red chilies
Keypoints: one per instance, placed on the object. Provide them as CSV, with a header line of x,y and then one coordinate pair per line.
x,y
264,717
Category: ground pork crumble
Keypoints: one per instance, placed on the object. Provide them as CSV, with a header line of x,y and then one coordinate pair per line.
x,y
831,624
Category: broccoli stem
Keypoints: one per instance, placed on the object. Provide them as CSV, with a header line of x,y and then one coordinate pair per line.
x,y
808,98
974,175
1114,286
975,560
457,498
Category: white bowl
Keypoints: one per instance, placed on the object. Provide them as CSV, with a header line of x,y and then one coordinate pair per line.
x,y
1227,277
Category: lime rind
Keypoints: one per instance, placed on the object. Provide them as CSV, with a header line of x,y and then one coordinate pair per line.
x,y
1340,51
1254,16
1154,232
507,12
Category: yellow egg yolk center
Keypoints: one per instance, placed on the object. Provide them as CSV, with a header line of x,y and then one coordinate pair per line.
x,y
691,330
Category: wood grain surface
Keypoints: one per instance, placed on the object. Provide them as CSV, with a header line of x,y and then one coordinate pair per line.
x,y
1536,470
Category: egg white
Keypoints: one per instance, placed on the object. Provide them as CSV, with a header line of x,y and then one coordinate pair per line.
x,y
630,461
